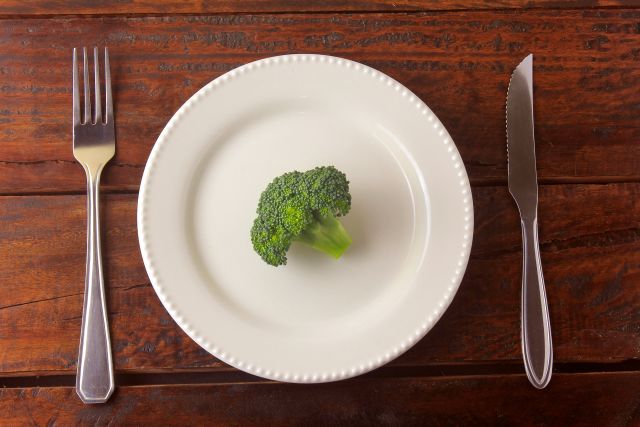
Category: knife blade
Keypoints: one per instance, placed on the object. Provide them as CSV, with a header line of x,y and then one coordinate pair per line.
x,y
537,348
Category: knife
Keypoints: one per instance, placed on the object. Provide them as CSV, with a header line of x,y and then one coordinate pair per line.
x,y
537,349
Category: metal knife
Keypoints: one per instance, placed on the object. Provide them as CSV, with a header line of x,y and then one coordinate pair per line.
x,y
537,349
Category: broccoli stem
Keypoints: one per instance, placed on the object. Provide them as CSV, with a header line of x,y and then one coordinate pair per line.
x,y
327,235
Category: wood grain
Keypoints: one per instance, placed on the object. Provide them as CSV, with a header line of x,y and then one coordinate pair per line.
x,y
577,400
133,7
456,55
587,71
590,237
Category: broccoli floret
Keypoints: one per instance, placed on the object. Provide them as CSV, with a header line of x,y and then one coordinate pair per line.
x,y
302,207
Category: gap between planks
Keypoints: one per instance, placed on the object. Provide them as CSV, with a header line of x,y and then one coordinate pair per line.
x,y
234,376
483,182
416,10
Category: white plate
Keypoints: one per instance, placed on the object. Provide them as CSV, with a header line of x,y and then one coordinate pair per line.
x,y
315,319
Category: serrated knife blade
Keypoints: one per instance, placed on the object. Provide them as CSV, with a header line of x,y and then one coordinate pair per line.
x,y
537,349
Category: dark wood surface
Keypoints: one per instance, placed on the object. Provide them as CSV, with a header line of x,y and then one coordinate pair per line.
x,y
130,7
472,400
586,69
591,256
457,56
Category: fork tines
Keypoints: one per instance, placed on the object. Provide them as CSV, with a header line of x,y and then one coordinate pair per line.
x,y
86,118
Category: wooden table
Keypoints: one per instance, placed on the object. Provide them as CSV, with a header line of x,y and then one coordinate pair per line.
x,y
457,55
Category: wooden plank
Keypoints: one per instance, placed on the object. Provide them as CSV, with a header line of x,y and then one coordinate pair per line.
x,y
586,76
590,238
134,7
571,399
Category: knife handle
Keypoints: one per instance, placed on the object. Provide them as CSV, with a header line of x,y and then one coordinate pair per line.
x,y
537,349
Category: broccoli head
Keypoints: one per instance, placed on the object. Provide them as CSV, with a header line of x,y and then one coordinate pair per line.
x,y
302,206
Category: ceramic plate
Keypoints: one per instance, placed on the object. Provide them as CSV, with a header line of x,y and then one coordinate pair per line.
x,y
316,319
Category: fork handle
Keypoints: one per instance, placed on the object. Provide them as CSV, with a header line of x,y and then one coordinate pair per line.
x,y
94,382
537,349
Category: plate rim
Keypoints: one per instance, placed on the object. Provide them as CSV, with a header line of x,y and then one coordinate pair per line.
x,y
430,318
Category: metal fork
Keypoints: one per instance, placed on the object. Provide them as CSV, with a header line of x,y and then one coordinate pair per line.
x,y
93,146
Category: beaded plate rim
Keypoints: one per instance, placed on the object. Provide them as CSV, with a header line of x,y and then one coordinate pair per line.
x,y
309,377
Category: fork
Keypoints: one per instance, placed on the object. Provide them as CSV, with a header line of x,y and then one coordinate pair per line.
x,y
93,146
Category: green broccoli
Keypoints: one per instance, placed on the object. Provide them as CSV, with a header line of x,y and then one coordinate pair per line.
x,y
302,207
